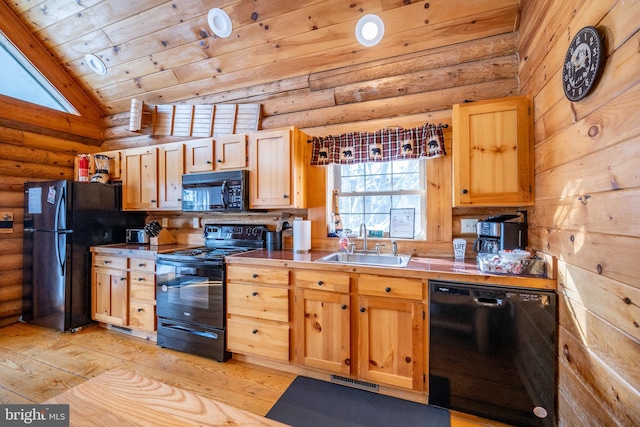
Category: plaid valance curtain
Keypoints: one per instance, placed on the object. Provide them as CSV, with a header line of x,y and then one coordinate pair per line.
x,y
426,141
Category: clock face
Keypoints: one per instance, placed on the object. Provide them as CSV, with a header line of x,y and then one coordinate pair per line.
x,y
582,64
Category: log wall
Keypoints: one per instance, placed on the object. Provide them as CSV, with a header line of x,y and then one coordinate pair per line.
x,y
586,210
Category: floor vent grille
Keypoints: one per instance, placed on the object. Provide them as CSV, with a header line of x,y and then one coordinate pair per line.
x,y
354,383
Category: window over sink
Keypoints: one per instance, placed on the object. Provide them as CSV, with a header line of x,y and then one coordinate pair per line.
x,y
366,193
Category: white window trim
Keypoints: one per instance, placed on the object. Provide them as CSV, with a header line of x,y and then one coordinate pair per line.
x,y
333,181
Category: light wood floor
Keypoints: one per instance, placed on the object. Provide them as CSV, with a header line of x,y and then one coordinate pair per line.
x,y
37,364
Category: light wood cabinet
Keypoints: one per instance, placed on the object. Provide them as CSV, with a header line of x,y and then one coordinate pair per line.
x,y
170,170
493,153
391,331
258,311
110,293
123,291
231,151
199,155
224,152
139,178
322,326
142,294
277,169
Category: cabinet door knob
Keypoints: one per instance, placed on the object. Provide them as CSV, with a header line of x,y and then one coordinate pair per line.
x,y
107,261
465,191
320,283
285,196
208,162
123,278
219,161
347,362
362,309
140,279
141,265
153,201
255,331
254,293
387,289
255,276
343,306
140,309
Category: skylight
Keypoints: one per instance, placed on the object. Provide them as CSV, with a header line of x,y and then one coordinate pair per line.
x,y
21,80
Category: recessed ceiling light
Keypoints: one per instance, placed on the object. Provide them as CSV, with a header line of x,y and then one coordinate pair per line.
x,y
96,64
219,22
369,30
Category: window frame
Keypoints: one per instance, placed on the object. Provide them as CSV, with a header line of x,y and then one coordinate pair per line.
x,y
334,177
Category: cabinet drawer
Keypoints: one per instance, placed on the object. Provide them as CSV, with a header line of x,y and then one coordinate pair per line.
x,y
110,261
145,279
261,302
258,338
142,264
258,275
142,291
336,282
142,316
393,287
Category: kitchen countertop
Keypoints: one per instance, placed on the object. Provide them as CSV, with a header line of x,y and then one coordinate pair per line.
x,y
418,267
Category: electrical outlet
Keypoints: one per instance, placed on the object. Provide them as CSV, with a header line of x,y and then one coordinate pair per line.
x,y
468,225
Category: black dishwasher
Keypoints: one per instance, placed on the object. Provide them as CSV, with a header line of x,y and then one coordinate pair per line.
x,y
492,351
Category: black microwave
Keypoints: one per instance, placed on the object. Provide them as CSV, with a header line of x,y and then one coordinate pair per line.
x,y
215,191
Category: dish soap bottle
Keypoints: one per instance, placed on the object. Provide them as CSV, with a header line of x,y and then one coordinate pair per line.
x,y
343,243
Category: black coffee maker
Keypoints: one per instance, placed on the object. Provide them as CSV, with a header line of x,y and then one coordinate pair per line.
x,y
501,232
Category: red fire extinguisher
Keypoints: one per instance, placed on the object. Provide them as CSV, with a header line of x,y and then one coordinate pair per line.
x,y
83,168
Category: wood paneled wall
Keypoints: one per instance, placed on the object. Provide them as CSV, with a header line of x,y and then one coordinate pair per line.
x,y
587,203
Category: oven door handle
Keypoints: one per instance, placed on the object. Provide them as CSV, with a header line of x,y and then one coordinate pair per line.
x,y
187,264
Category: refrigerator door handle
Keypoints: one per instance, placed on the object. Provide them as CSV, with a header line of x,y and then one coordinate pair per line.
x,y
60,228
61,251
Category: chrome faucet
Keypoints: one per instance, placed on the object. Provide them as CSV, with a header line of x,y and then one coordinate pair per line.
x,y
394,246
363,233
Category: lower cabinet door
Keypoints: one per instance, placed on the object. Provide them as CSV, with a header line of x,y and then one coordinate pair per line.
x,y
390,336
258,338
323,338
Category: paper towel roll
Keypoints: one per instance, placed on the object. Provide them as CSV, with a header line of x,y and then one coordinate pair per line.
x,y
302,236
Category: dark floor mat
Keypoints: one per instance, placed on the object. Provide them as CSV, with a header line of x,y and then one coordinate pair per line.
x,y
313,403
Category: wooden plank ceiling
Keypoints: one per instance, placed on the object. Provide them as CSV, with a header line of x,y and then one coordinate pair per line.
x,y
164,51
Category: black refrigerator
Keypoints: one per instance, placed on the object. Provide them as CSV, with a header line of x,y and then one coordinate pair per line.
x,y
62,220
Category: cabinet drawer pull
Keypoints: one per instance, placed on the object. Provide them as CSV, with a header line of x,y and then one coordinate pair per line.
x,y
343,306
140,279
320,283
362,309
254,293
255,331
255,276
107,261
387,289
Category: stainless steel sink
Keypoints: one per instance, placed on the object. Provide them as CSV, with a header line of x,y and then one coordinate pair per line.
x,y
367,259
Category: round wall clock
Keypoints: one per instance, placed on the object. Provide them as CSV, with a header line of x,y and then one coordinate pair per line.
x,y
582,64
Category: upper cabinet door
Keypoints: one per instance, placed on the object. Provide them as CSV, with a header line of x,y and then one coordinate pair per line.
x,y
199,155
140,178
170,170
231,151
277,169
493,153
